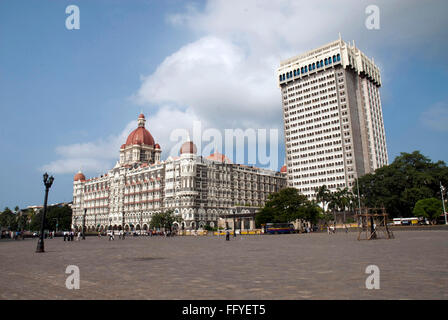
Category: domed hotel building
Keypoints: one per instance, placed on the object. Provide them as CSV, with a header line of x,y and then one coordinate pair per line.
x,y
202,190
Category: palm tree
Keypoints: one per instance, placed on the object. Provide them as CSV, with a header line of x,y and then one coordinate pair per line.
x,y
323,195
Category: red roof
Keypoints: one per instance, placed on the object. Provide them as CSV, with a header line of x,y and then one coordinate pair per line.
x,y
283,169
140,136
141,116
79,177
188,147
157,146
219,157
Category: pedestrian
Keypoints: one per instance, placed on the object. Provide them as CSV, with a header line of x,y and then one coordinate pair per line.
x,y
328,229
124,234
65,236
99,234
78,238
227,235
72,236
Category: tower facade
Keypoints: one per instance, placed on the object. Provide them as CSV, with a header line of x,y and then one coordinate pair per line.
x,y
333,122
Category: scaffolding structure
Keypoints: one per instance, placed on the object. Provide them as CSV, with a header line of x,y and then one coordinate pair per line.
x,y
372,224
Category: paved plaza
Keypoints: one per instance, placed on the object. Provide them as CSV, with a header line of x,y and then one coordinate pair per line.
x,y
414,265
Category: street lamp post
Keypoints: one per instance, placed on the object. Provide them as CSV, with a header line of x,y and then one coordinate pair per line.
x,y
40,243
84,224
141,222
234,227
442,189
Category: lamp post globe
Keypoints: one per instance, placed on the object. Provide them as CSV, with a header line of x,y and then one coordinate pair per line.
x,y
40,243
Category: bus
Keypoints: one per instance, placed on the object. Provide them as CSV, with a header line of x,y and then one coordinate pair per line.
x,y
410,221
276,228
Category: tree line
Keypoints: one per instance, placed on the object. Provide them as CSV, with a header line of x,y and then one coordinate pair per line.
x,y
409,186
57,218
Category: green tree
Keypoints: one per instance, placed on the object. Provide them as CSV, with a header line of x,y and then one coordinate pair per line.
x,y
285,206
8,219
60,215
164,220
323,195
398,186
429,208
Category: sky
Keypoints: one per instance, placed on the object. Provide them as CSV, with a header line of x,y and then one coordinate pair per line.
x,y
69,98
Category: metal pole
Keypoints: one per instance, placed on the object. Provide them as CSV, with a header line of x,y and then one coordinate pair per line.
x,y
40,242
359,199
234,228
84,224
443,201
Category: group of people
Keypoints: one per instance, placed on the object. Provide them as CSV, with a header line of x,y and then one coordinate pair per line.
x,y
14,235
332,229
70,235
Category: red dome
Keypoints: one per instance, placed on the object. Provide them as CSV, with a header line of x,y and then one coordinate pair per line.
x,y
283,169
219,157
79,177
140,136
157,146
188,147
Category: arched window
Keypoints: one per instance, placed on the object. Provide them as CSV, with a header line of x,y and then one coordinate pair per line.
x,y
290,74
329,60
295,73
280,78
321,63
334,58
301,70
339,57
326,61
298,71
318,65
306,69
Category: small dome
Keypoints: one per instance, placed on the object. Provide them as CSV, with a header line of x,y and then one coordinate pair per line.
x,y
216,156
283,169
157,146
141,116
79,177
188,147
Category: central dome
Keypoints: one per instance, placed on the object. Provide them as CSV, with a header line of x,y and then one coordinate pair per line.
x,y
140,135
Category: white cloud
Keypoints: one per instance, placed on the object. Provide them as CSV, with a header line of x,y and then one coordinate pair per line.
x,y
436,117
98,156
226,78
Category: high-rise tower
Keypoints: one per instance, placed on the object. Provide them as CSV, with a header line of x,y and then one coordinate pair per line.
x,y
333,122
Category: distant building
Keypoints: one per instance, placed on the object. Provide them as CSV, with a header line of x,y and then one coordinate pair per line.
x,y
333,121
200,190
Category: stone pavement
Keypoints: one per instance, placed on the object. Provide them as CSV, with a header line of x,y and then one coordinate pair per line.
x,y
414,265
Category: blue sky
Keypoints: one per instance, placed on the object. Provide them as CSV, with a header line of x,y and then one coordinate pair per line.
x,y
68,98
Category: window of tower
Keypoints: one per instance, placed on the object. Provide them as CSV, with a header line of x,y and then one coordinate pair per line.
x,y
338,57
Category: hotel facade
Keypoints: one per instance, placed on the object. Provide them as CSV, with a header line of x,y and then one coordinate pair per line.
x,y
333,121
202,190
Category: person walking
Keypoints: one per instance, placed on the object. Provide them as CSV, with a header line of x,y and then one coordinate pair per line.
x,y
227,235
78,237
